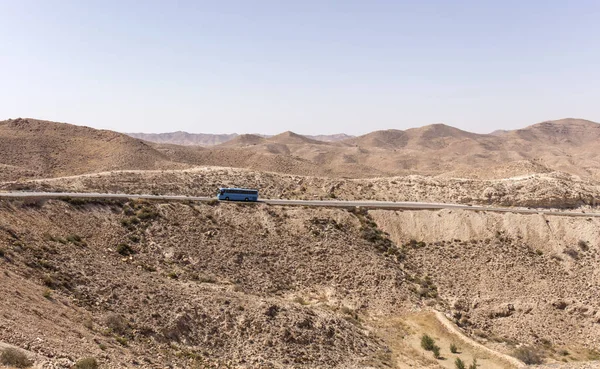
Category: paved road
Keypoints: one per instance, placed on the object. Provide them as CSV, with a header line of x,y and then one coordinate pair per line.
x,y
326,203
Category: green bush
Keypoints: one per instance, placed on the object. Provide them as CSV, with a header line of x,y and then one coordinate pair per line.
x,y
473,364
16,358
436,351
459,364
453,348
87,363
427,343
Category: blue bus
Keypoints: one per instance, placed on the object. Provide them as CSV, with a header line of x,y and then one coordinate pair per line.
x,y
237,194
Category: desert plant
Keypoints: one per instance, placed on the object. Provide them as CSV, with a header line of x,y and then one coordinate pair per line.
x,y
583,245
124,249
473,364
76,240
14,357
528,355
117,324
453,348
459,364
147,213
427,343
47,293
86,363
436,351
572,253
123,341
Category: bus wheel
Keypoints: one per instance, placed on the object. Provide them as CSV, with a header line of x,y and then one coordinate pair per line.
x,y
227,199
246,199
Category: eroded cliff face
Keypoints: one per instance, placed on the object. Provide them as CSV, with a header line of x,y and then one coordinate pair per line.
x,y
508,277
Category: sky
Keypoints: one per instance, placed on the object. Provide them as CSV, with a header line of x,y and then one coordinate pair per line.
x,y
311,66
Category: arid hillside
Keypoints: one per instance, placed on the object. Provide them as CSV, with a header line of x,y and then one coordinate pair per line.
x,y
244,286
34,148
38,149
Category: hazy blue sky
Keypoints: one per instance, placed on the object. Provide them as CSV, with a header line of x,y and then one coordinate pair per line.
x,y
307,66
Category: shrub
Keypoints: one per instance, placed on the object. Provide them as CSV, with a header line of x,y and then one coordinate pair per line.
x,y
453,348
2,252
459,364
427,288
473,364
87,363
48,293
16,358
124,249
572,253
528,355
436,351
76,240
117,324
147,213
427,343
583,245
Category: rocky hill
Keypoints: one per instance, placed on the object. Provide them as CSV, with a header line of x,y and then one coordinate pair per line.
x,y
38,148
32,148
234,285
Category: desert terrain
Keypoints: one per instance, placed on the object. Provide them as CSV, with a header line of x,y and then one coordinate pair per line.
x,y
181,284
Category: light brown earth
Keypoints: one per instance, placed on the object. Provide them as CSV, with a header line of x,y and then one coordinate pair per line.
x,y
263,286
225,285
46,149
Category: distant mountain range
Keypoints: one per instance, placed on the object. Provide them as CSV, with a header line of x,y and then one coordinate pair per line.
x,y
31,148
207,139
